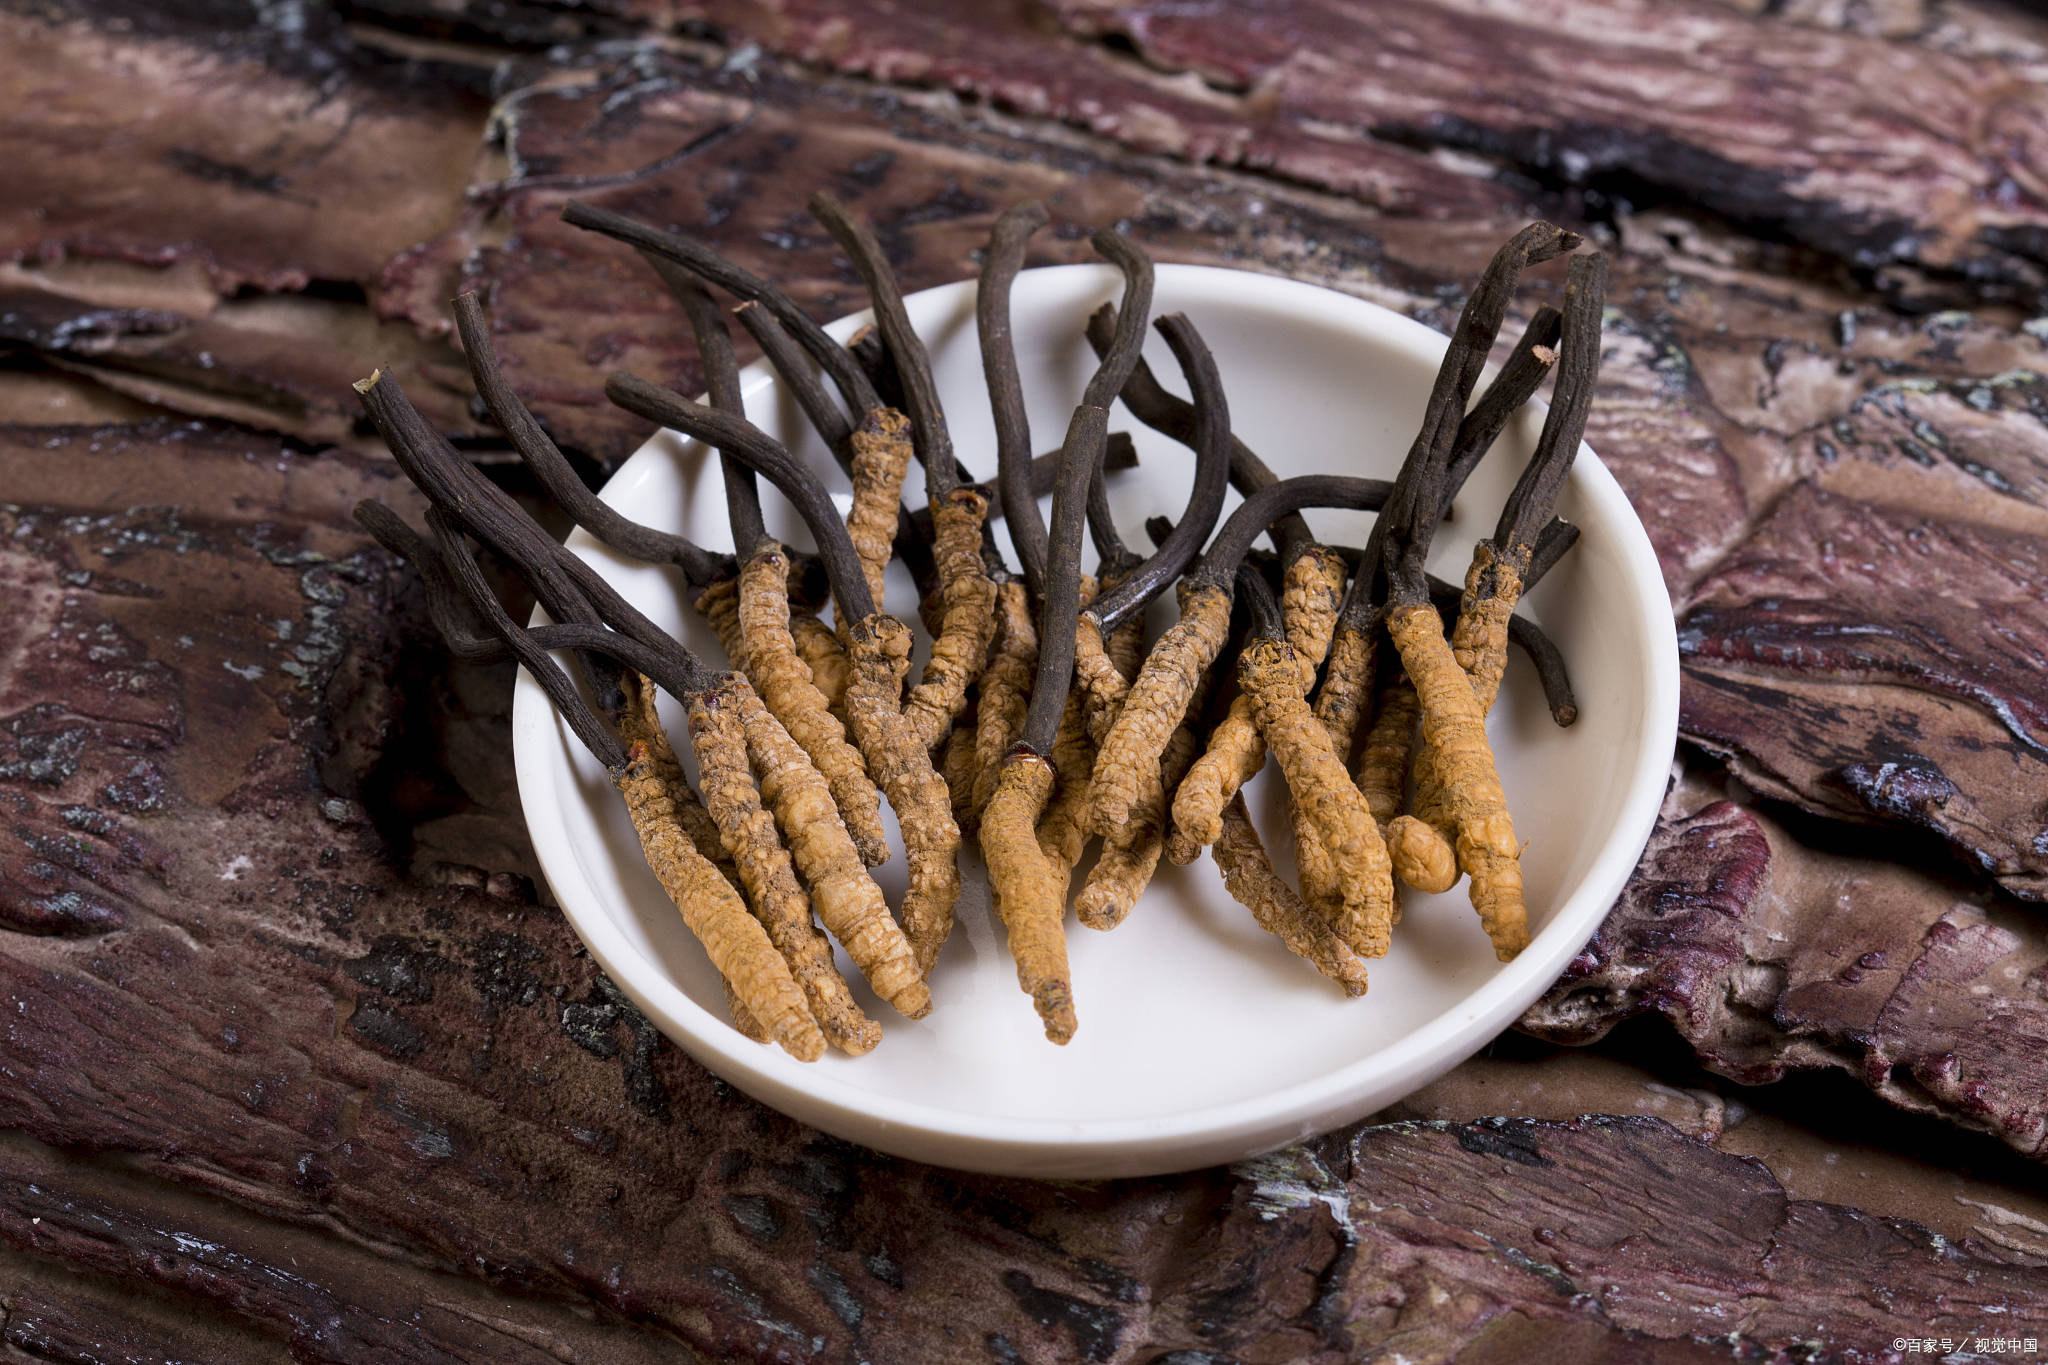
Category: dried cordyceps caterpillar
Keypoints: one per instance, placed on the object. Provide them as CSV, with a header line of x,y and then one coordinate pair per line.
x,y
1452,722
1013,659
448,608
1249,876
1313,591
1108,640
958,513
1336,824
1005,254
1235,751
718,735
1521,549
878,648
1063,829
1159,697
753,617
847,900
1027,881
463,503
1348,677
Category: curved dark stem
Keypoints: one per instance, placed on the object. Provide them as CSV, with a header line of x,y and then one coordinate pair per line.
x,y
568,588
999,266
1402,536
771,460
873,358
1550,669
1059,609
1212,478
709,265
913,365
1218,564
1535,493
582,719
1515,385
722,383
1114,367
447,479
801,378
1120,360
447,607
913,538
1262,606
1174,416
1113,557
549,465
1551,543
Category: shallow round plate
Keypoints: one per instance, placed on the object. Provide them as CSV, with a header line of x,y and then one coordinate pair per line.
x,y
1201,1038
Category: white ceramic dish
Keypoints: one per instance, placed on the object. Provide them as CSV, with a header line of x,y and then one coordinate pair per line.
x,y
1201,1039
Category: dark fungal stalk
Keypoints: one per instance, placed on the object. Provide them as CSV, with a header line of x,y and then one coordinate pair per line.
x,y
1502,569
551,467
768,458
1159,696
1107,634
878,647
960,646
1453,722
1527,366
1004,256
722,384
1171,415
568,588
1210,442
737,944
708,265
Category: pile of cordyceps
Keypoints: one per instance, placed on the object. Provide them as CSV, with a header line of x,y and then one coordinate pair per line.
x,y
1041,719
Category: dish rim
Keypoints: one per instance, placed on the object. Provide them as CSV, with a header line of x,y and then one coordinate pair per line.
x,y
1194,1135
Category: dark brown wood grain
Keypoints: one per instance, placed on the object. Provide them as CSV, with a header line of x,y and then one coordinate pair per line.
x,y
295,1058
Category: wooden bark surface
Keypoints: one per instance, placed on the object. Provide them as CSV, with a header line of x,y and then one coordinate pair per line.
x,y
295,1059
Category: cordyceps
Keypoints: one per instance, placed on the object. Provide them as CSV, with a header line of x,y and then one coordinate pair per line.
x,y
1166,683
1453,723
1028,881
1313,581
1108,643
1028,885
754,618
780,973
958,512
1523,547
878,649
